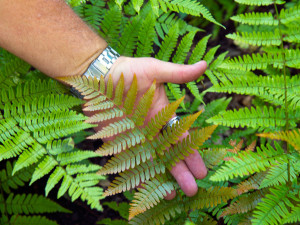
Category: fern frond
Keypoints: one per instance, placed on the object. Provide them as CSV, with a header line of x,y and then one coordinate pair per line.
x,y
186,146
209,56
32,220
30,204
256,117
244,204
199,50
183,48
274,206
258,61
131,179
260,2
213,157
105,115
16,144
168,44
271,89
153,192
278,174
190,7
292,217
110,25
146,36
136,155
246,163
26,92
129,38
256,18
263,38
252,183
167,209
290,15
9,181
292,137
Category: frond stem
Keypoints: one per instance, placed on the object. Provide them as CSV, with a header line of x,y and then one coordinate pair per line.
x,y
285,89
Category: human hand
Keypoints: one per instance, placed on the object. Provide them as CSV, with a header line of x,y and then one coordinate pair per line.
x,y
147,70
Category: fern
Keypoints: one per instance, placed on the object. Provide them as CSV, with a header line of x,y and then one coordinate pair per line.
x,y
274,206
138,143
247,163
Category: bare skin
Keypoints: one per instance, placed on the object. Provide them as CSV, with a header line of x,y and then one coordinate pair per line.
x,y
50,36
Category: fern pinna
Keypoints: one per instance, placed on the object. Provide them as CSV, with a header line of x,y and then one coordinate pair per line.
x,y
133,144
265,177
36,125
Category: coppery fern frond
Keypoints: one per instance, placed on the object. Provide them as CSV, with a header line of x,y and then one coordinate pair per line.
x,y
292,137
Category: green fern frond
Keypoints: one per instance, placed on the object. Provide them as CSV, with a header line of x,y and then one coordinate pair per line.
x,y
291,15
256,18
190,7
270,89
292,137
32,220
279,175
274,206
129,38
292,217
258,61
209,56
199,50
255,117
168,44
244,204
246,163
260,2
26,92
110,25
263,38
31,204
137,5
146,36
9,181
153,192
183,48
213,157
176,92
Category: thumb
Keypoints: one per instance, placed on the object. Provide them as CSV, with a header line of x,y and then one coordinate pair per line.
x,y
166,72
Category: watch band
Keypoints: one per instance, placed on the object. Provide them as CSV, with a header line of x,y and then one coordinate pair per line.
x,y
102,64
99,67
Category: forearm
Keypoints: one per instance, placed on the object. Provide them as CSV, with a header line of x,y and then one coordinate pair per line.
x,y
48,35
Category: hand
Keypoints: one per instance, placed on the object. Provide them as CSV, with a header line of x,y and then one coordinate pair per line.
x,y
147,70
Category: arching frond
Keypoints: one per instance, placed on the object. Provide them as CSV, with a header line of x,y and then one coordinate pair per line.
x,y
259,2
30,204
279,175
255,117
263,38
153,192
9,181
274,206
292,137
246,163
244,204
261,61
290,15
252,183
256,18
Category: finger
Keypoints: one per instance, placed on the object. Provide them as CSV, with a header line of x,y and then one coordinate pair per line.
x,y
195,162
171,195
184,178
176,73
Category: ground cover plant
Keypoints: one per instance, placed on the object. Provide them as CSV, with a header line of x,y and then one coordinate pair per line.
x,y
252,152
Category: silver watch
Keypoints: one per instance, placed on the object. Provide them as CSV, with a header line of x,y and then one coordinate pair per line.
x,y
99,67
102,64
